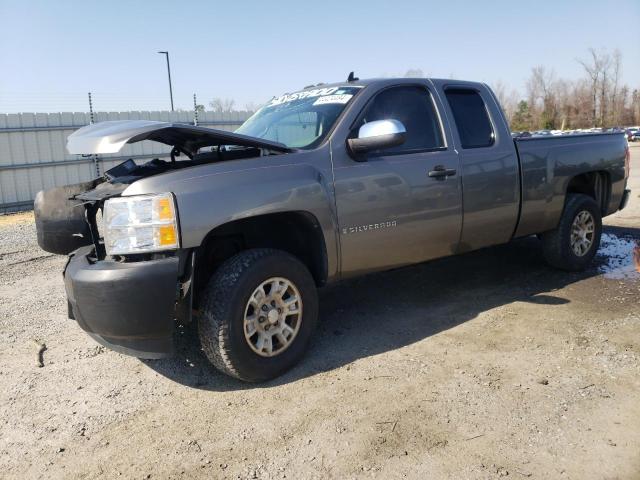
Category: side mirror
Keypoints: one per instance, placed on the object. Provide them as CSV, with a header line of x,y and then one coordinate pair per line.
x,y
378,135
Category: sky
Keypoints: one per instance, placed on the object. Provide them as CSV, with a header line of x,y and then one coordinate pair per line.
x,y
53,52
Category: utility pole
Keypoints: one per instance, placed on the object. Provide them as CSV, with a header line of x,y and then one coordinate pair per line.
x,y
96,159
195,110
91,119
166,54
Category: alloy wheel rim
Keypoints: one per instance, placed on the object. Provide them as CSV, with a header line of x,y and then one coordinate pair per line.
x,y
272,316
582,233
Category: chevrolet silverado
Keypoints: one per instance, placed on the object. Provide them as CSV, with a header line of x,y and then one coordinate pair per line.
x,y
236,230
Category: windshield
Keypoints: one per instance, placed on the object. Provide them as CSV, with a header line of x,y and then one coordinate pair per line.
x,y
301,119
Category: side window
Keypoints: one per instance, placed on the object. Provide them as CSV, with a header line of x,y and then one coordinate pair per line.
x,y
413,107
472,119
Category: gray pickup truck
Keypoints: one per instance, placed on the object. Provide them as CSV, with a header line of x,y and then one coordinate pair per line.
x,y
236,230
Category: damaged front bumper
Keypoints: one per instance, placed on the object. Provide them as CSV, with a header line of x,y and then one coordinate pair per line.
x,y
127,303
129,307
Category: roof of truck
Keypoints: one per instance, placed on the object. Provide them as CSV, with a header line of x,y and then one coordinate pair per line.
x,y
393,80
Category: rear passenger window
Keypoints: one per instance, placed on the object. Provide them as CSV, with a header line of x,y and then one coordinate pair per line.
x,y
472,119
413,107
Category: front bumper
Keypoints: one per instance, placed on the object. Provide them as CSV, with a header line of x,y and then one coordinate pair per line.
x,y
128,307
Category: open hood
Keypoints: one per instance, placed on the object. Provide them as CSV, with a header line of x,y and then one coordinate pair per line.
x,y
110,137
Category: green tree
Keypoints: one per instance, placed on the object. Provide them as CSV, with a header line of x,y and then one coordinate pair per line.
x,y
522,118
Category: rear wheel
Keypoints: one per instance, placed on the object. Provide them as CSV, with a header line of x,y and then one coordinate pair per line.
x,y
573,244
259,311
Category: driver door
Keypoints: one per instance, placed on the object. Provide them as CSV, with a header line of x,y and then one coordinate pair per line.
x,y
391,211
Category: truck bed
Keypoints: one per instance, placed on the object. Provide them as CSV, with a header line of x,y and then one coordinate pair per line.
x,y
547,164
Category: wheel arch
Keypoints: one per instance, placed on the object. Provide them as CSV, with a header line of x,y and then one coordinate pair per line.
x,y
595,184
297,232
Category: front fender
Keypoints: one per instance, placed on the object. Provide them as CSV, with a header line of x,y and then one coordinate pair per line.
x,y
209,196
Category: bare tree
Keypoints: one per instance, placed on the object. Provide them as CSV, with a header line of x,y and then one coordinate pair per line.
x,y
578,104
252,106
616,61
542,97
222,105
604,87
414,73
635,107
594,67
508,99
600,99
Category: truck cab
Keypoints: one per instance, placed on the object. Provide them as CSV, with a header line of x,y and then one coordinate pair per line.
x,y
426,175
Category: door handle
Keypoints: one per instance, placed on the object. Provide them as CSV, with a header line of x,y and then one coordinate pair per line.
x,y
440,172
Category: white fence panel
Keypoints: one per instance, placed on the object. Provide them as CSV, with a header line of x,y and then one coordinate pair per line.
x,y
33,153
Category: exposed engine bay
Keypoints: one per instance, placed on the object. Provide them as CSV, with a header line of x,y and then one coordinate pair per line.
x,y
66,216
129,171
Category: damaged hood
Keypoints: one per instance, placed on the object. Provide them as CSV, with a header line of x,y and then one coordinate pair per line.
x,y
111,136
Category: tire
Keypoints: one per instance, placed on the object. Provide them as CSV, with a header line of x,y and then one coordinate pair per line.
x,y
557,244
222,328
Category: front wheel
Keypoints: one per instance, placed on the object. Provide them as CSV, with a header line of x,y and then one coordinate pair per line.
x,y
259,311
575,241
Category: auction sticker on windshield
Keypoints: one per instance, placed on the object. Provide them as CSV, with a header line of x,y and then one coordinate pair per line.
x,y
333,99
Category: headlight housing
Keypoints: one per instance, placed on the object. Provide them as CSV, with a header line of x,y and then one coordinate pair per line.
x,y
140,224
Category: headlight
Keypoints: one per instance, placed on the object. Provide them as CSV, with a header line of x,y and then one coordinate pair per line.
x,y
140,224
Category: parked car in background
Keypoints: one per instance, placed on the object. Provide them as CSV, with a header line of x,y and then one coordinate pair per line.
x,y
635,136
524,134
541,133
629,132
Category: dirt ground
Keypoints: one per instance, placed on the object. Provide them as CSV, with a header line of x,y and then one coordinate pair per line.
x,y
481,366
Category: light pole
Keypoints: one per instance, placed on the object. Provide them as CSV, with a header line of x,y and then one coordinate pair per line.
x,y
169,73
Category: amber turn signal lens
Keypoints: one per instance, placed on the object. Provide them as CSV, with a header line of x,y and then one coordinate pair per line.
x,y
167,235
165,211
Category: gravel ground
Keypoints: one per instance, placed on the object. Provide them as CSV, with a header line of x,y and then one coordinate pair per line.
x,y
480,366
